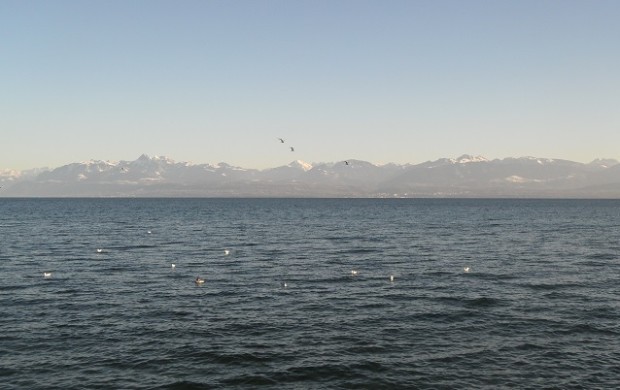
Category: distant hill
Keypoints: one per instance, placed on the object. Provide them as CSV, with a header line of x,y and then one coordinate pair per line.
x,y
466,176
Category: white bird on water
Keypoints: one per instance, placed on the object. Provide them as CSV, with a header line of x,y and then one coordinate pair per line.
x,y
47,275
226,252
466,269
391,278
353,272
99,250
173,266
199,280
148,232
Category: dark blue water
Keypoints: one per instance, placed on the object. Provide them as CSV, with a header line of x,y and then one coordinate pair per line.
x,y
539,307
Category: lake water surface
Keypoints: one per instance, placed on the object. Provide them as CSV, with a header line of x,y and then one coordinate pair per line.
x,y
539,307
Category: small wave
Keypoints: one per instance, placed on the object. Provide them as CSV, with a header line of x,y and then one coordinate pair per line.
x,y
529,347
367,349
242,358
14,288
471,302
4,372
563,294
184,385
437,273
551,286
589,328
179,313
70,291
602,256
322,373
483,302
177,242
359,251
130,247
594,263
250,380
117,268
493,277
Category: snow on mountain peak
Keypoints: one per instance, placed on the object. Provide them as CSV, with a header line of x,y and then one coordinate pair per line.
x,y
301,164
146,158
10,174
537,160
466,158
604,162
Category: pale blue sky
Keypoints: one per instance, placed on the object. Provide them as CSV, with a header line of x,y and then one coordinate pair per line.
x,y
381,81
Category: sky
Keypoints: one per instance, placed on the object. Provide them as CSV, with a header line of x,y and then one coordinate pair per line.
x,y
381,81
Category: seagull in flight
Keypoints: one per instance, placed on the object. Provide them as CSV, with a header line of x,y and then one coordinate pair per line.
x,y
281,140
292,149
346,163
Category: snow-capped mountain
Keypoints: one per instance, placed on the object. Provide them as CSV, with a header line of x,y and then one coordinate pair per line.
x,y
465,176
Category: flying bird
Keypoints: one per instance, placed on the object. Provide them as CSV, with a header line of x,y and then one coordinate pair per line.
x,y
281,140
346,163
292,149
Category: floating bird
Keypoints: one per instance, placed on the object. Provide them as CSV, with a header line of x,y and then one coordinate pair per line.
x,y
226,252
391,278
47,275
199,280
466,269
353,272
281,140
173,266
284,285
148,232
346,163
292,149
99,250
124,169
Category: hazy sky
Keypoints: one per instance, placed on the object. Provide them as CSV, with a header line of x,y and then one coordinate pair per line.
x,y
381,81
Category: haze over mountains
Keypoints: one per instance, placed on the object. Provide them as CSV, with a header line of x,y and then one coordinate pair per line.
x,y
466,176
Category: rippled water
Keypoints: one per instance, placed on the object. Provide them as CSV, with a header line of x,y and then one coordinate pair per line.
x,y
539,307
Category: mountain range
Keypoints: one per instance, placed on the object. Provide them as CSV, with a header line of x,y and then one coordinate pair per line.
x,y
465,176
